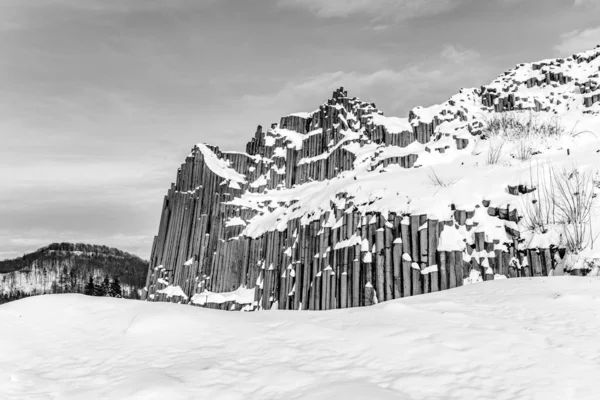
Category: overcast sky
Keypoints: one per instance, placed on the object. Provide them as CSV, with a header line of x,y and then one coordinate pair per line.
x,y
101,100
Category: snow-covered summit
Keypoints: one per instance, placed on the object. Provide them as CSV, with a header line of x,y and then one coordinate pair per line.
x,y
331,173
554,85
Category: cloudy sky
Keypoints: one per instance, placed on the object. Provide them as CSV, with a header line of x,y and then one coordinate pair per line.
x,y
101,100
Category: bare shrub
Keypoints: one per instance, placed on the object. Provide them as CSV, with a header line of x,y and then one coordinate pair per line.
x,y
575,133
562,197
575,199
513,125
523,149
494,152
539,213
499,124
437,181
522,129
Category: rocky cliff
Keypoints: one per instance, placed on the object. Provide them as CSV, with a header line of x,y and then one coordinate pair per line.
x,y
66,268
343,206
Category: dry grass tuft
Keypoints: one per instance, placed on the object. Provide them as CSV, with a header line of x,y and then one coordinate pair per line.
x,y
437,181
562,197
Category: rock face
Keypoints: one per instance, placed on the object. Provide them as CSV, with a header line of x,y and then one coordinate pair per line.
x,y
66,268
334,208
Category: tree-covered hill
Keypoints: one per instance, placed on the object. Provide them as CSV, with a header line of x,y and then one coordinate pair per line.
x,y
66,268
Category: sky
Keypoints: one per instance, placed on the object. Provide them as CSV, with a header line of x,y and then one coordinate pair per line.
x,y
101,100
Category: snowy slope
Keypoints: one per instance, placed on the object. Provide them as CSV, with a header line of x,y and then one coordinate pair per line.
x,y
511,339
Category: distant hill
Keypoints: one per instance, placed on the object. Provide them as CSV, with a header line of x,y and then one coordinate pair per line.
x,y
66,268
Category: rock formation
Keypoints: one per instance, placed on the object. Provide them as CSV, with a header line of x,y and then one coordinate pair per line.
x,y
343,207
67,267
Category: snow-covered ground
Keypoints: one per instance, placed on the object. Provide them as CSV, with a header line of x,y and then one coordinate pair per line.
x,y
510,339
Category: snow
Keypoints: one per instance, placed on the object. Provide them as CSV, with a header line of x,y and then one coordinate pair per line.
x,y
349,136
219,166
279,152
430,269
241,295
162,281
438,346
351,241
395,151
235,221
474,277
451,239
172,291
292,137
304,115
260,181
392,124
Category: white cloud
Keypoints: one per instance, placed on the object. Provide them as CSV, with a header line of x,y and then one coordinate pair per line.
x,y
579,3
380,9
459,55
395,91
578,41
116,6
7,255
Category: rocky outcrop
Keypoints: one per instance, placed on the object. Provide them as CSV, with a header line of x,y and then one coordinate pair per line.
x,y
313,215
554,80
67,267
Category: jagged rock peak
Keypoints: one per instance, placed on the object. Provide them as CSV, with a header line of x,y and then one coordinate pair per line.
x,y
327,193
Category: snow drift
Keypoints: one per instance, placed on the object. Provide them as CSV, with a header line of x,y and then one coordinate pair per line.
x,y
513,339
